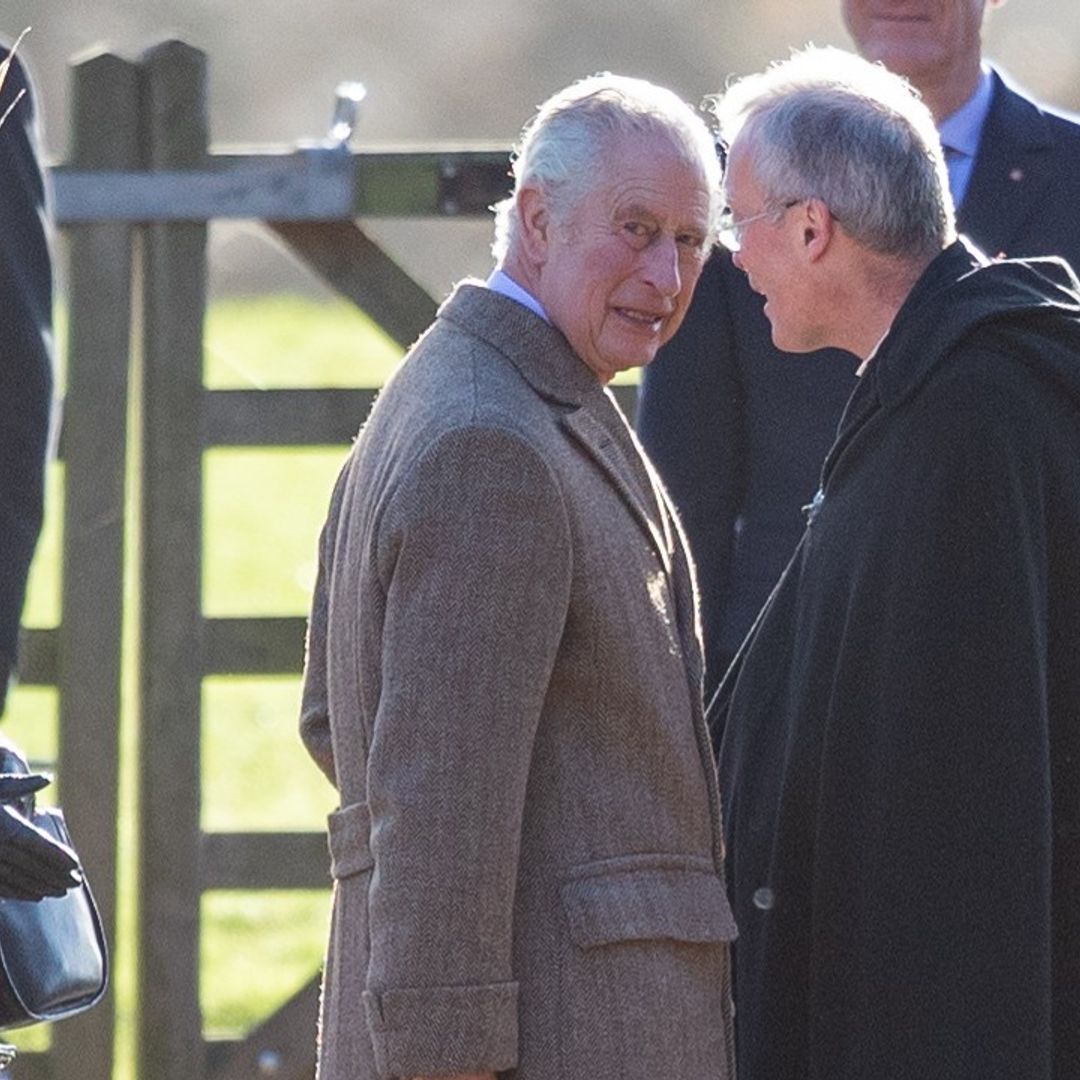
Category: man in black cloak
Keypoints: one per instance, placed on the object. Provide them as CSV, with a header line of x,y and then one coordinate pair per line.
x,y
901,729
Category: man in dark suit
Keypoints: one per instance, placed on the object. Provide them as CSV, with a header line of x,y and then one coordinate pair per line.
x,y
25,355
739,429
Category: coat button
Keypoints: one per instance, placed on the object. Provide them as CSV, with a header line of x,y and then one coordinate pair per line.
x,y
764,899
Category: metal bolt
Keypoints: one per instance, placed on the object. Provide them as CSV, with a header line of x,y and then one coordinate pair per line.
x,y
348,98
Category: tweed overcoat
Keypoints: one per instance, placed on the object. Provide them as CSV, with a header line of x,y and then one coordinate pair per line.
x,y
504,683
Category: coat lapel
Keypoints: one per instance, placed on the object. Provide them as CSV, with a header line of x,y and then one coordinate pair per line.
x,y
686,606
597,441
545,360
1011,171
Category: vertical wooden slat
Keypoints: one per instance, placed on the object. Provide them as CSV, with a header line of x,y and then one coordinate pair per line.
x,y
174,301
104,136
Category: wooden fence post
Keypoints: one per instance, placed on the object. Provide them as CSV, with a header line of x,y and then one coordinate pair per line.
x,y
174,283
104,136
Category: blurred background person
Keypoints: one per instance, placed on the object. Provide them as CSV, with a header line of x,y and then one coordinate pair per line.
x,y
25,354
737,428
32,864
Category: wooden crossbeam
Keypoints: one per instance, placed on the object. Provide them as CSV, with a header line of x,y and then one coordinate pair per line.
x,y
314,183
362,272
284,417
297,860
282,1047
259,646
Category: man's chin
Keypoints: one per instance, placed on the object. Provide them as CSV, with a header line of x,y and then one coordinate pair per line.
x,y
911,58
788,343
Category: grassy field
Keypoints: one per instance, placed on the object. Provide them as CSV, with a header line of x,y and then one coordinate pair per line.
x,y
263,510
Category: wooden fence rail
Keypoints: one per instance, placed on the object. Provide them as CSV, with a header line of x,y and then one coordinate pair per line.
x,y
135,201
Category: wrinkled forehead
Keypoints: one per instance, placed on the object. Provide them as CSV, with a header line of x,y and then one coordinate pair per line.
x,y
661,173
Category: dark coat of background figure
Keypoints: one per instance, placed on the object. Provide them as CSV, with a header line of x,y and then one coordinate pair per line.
x,y
739,430
25,357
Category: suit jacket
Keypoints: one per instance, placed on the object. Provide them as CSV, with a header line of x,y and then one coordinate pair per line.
x,y
504,683
25,358
739,429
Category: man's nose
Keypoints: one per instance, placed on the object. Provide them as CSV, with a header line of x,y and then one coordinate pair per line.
x,y
662,269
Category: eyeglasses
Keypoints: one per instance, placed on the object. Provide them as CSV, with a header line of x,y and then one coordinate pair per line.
x,y
730,233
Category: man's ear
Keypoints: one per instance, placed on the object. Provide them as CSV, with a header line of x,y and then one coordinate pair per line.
x,y
818,226
535,221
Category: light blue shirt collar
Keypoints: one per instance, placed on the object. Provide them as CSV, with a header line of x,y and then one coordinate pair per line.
x,y
501,282
961,133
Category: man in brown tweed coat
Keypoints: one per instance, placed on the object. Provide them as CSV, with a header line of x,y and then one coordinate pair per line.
x,y
504,674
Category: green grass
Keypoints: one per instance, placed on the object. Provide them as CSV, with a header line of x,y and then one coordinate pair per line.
x,y
262,513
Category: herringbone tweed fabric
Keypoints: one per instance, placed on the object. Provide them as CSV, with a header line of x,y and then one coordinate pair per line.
x,y
504,683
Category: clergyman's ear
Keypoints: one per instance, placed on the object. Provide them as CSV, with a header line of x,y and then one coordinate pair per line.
x,y
818,225
535,222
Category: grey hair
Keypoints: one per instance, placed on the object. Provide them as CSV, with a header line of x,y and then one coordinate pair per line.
x,y
827,124
561,147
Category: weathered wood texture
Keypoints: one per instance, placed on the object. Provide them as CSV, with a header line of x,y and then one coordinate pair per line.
x,y
280,1047
313,184
361,271
284,417
174,303
88,641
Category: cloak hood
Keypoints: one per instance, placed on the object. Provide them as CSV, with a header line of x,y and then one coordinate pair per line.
x,y
962,293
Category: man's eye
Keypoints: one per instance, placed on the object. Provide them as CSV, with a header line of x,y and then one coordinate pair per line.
x,y
637,229
692,241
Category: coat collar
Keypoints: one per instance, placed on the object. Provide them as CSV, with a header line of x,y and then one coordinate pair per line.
x,y
959,291
912,346
1010,170
588,413
537,349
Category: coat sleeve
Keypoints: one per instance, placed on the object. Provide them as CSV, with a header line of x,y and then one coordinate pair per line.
x,y
933,952
25,358
475,560
690,421
315,698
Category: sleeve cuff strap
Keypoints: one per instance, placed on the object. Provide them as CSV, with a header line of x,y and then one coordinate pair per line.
x,y
443,1029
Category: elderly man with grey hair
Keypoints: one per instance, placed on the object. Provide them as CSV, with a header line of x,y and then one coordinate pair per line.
x,y
504,674
900,730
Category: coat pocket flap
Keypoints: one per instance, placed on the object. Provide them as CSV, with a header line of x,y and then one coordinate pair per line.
x,y
350,842
681,900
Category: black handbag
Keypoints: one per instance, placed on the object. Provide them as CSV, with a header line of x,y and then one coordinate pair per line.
x,y
53,957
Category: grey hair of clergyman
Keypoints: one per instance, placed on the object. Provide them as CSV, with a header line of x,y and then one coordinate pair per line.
x,y
562,148
827,124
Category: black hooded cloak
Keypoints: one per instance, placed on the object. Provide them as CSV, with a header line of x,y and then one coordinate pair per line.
x,y
901,729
